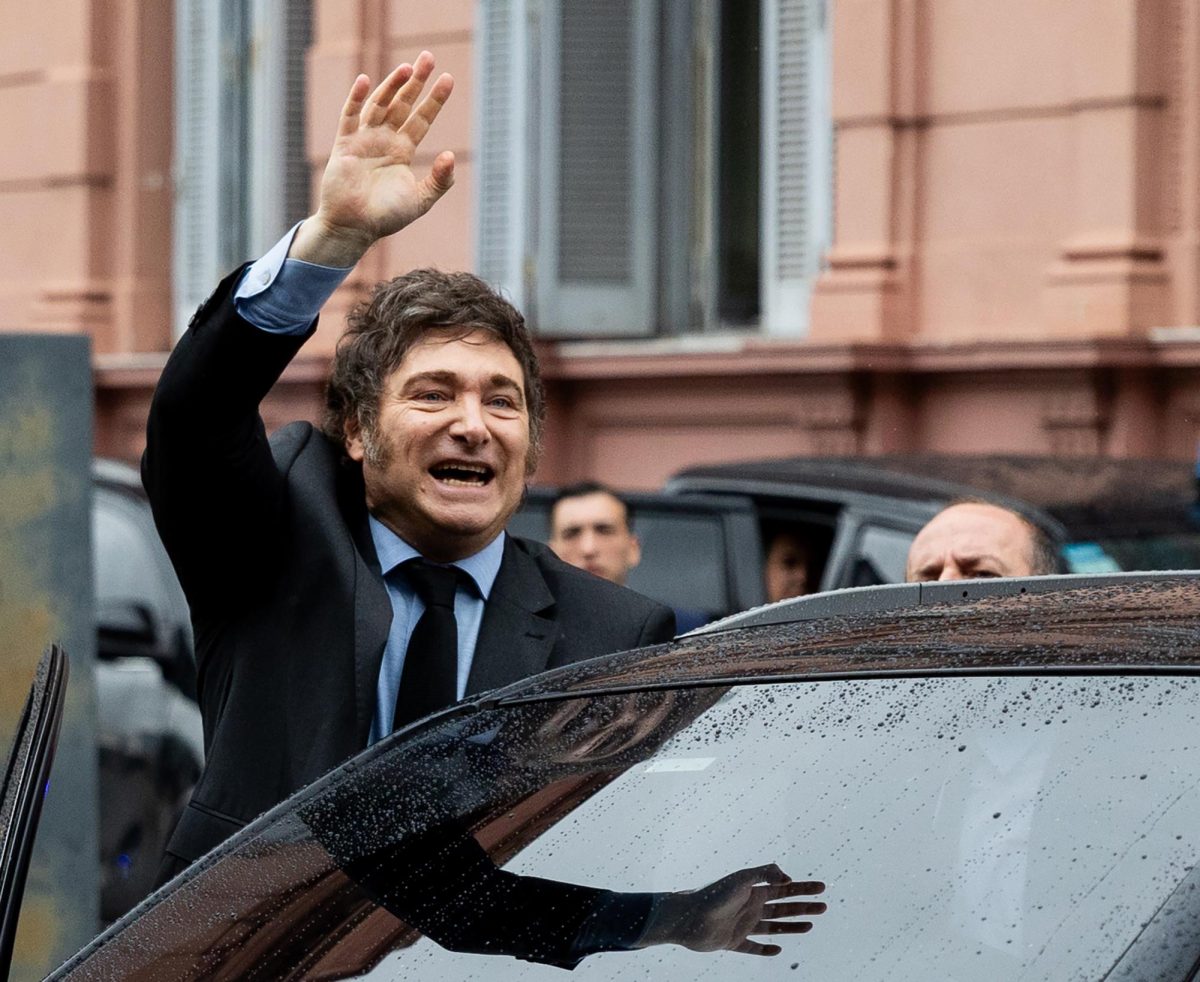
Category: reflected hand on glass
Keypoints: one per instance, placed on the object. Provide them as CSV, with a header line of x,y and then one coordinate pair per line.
x,y
724,915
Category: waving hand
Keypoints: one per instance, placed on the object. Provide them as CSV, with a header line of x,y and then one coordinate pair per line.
x,y
369,189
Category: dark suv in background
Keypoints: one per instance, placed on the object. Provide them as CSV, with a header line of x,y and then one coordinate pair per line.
x,y
703,535
149,734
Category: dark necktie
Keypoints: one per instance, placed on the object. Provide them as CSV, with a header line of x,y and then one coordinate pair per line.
x,y
429,680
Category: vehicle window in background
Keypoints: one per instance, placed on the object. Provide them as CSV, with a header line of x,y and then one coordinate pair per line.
x,y
683,573
882,556
1176,551
966,828
683,556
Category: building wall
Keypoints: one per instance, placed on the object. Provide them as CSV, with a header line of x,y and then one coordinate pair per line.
x,y
1016,263
85,189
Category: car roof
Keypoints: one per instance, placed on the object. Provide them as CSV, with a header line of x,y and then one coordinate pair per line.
x,y
117,475
1083,493
1134,623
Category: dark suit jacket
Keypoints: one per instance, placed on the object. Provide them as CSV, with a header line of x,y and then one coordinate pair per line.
x,y
270,541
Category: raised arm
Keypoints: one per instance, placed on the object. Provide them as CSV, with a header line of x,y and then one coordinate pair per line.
x,y
213,482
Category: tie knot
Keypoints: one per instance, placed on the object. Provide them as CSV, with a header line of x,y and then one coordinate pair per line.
x,y
435,585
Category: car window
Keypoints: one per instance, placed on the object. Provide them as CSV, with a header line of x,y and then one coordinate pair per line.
x,y
687,570
1175,551
683,555
978,828
882,556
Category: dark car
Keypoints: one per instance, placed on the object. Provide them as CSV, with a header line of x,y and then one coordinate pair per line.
x,y
149,733
699,552
705,535
996,780
859,514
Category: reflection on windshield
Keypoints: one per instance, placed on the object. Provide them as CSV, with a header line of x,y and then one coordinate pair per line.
x,y
975,828
437,878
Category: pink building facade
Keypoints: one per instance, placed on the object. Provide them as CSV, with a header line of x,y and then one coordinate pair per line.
x,y
1008,258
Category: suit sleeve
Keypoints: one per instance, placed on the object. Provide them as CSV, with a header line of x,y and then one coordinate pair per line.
x,y
659,626
215,490
441,882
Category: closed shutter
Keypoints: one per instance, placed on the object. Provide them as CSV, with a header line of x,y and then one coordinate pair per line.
x,y
241,170
596,266
797,165
277,177
503,98
196,265
296,190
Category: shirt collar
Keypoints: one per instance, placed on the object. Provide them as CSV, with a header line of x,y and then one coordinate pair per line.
x,y
482,567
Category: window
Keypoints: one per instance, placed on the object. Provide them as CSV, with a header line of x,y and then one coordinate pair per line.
x,y
649,167
882,556
241,176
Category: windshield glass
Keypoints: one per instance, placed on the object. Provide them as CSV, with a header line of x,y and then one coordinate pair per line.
x,y
996,828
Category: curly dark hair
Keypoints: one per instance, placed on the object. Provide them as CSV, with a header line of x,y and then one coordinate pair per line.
x,y
399,313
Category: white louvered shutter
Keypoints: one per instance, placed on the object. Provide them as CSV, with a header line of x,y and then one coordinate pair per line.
x,y
241,171
797,159
503,96
196,264
296,187
276,166
596,267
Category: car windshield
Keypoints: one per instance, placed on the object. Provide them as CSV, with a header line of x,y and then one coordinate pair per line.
x,y
1002,827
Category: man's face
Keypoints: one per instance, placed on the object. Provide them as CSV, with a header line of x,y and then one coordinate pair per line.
x,y
591,531
971,541
445,468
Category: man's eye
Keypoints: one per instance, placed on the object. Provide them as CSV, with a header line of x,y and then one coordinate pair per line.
x,y
432,397
502,402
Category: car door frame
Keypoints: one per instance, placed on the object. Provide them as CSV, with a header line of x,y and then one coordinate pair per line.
x,y
26,782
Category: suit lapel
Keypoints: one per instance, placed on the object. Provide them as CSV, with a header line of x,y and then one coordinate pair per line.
x,y
519,628
372,607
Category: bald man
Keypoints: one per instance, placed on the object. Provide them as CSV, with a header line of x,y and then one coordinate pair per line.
x,y
974,539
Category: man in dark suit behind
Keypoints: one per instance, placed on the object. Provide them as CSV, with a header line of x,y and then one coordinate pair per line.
x,y
302,555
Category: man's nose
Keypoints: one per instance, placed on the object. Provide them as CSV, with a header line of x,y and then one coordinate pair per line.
x,y
587,543
470,424
951,571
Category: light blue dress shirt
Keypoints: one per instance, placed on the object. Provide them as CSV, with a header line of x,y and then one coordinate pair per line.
x,y
407,609
283,296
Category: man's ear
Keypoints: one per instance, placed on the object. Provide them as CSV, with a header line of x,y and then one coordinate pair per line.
x,y
352,439
635,550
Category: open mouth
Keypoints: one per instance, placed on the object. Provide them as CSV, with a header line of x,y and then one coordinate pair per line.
x,y
463,475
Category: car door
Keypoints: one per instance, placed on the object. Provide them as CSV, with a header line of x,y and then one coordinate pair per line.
x,y
871,545
25,784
